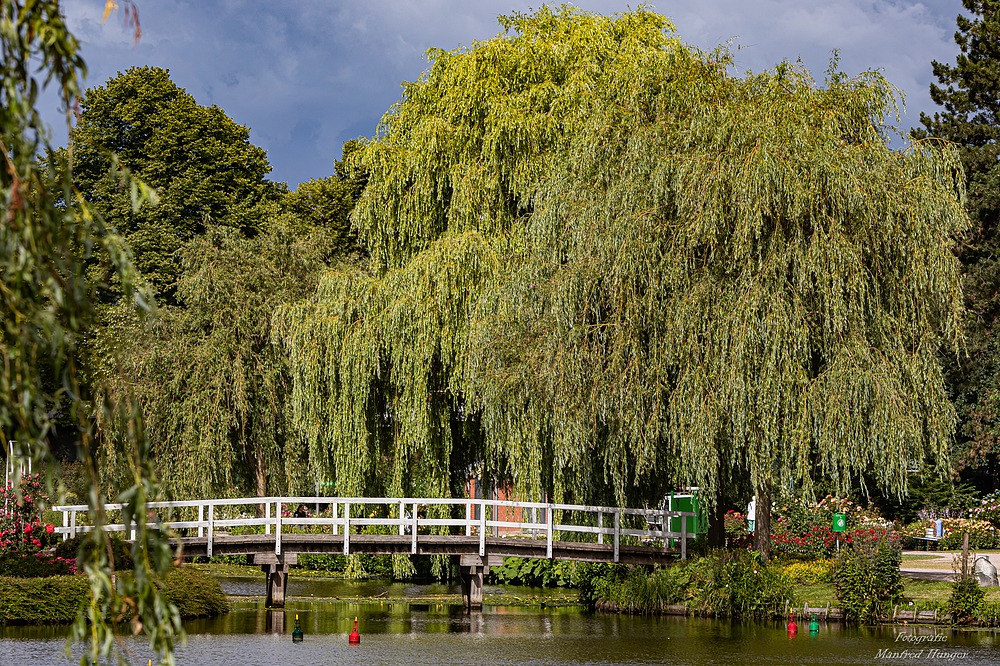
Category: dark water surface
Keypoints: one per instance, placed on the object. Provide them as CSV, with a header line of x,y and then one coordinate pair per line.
x,y
408,633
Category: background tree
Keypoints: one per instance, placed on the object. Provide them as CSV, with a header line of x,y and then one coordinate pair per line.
x,y
201,163
47,307
213,388
618,268
969,91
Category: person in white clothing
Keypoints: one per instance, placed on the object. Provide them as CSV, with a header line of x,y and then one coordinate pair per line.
x,y
751,513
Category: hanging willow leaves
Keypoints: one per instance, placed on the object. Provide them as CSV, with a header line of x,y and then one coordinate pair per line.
x,y
47,233
600,264
209,382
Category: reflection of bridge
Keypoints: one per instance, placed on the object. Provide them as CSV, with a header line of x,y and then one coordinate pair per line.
x,y
477,533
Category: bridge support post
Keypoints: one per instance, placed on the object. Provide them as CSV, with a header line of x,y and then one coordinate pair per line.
x,y
276,569
472,570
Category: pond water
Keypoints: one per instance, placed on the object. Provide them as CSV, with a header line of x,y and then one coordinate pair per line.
x,y
412,632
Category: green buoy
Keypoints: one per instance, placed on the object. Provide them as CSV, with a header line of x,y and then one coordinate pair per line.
x,y
814,626
297,631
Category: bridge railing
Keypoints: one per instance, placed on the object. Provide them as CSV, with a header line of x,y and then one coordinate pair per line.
x,y
534,520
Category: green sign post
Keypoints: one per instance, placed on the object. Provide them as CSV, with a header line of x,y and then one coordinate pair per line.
x,y
839,522
839,525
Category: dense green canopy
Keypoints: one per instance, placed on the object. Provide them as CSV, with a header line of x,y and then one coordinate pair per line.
x,y
201,163
969,94
602,265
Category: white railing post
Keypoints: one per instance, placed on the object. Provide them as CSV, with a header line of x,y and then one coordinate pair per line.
x,y
201,520
277,527
482,528
684,538
413,529
211,527
548,531
534,521
347,528
618,531
665,527
600,526
333,517
65,524
468,520
267,518
402,518
72,522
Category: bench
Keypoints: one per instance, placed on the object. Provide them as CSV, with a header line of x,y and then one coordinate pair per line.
x,y
931,535
928,540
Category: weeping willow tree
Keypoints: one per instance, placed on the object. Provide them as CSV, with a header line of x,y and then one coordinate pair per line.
x,y
211,386
601,264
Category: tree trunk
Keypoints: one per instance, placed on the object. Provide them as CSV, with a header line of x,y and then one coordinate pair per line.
x,y
717,519
762,526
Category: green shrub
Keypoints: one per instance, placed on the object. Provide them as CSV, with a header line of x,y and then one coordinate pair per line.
x,y
965,600
52,600
82,546
535,572
323,562
866,578
737,585
39,565
637,589
741,585
195,594
988,613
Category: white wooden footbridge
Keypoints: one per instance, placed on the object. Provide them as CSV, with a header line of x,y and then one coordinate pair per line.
x,y
477,533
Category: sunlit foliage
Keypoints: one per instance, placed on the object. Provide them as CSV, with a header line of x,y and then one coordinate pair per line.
x,y
601,264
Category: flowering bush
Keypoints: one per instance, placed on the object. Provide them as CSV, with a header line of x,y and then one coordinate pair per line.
x,y
988,509
21,526
982,534
39,565
804,530
809,573
737,531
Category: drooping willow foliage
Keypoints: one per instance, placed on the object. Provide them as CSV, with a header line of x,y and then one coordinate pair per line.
x,y
48,234
601,264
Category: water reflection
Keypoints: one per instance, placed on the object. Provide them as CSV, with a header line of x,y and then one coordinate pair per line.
x,y
408,632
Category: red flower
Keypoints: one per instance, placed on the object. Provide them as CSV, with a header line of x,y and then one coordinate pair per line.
x,y
50,528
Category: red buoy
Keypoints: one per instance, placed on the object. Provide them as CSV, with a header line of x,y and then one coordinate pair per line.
x,y
355,637
792,627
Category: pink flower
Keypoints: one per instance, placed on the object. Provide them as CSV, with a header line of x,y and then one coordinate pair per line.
x,y
50,528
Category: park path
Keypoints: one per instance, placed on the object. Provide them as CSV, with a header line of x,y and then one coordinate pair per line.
x,y
937,565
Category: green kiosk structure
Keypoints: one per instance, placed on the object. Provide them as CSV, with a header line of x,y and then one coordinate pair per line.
x,y
685,499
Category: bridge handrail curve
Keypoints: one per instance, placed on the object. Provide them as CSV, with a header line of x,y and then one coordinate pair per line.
x,y
409,521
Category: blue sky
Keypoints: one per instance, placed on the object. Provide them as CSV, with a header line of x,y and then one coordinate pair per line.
x,y
307,75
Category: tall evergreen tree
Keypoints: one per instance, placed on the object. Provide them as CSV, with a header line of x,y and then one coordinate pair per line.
x,y
201,163
969,92
619,267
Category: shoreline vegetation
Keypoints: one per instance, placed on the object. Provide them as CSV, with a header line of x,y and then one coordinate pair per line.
x,y
691,588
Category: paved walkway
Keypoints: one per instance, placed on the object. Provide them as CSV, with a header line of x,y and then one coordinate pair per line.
x,y
937,565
